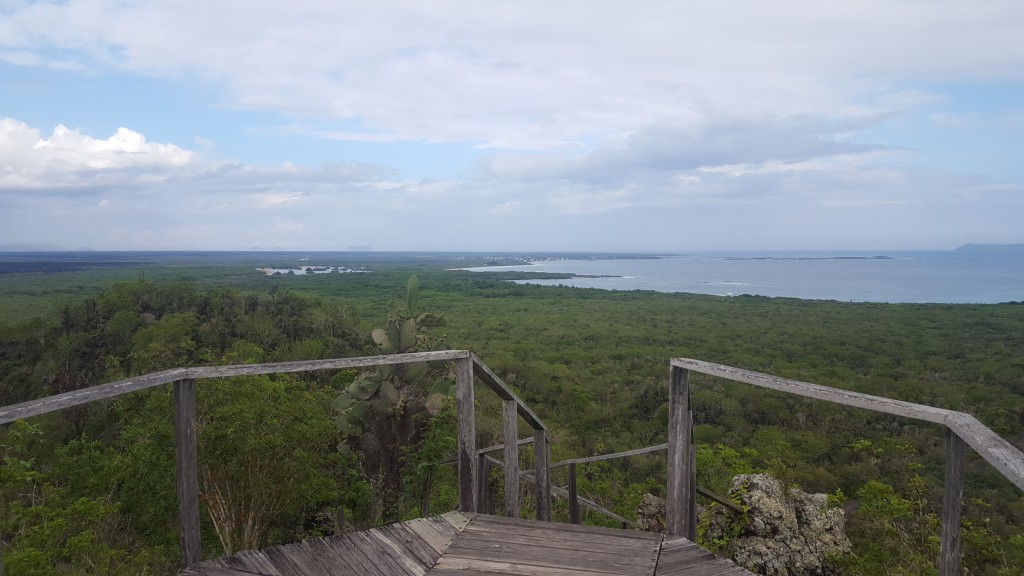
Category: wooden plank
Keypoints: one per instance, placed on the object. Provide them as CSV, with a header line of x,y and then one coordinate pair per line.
x,y
550,533
111,389
401,554
415,548
574,502
505,393
457,520
501,447
575,558
627,453
86,395
542,454
1002,455
679,487
638,553
510,426
481,521
200,372
186,471
458,565
682,557
835,395
431,536
465,407
483,479
952,505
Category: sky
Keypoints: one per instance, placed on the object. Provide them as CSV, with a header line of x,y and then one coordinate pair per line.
x,y
521,125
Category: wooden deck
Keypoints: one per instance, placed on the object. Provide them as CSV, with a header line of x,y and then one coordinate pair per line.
x,y
458,544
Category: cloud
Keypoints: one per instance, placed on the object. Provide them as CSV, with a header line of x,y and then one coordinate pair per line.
x,y
68,159
529,74
700,145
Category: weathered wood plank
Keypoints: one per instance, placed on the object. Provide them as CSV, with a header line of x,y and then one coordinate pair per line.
x,y
465,406
86,395
488,541
111,389
505,393
186,471
574,502
1002,455
613,456
482,521
952,505
501,447
510,426
682,557
835,395
679,486
199,372
575,558
526,536
483,479
542,458
457,520
552,532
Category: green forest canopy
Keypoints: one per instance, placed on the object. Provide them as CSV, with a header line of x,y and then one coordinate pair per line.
x,y
88,492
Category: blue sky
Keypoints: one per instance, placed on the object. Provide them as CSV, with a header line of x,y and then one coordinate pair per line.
x,y
519,125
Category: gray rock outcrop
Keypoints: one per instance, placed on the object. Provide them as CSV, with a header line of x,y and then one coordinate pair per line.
x,y
787,532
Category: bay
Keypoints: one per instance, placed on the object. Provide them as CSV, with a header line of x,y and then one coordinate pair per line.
x,y
896,277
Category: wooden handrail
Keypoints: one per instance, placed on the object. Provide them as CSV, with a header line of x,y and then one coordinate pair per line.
x,y
961,428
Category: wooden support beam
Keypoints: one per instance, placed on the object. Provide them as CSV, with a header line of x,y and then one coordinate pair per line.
x,y
510,426
186,470
499,387
483,476
952,505
574,503
466,409
681,489
542,461
635,452
501,447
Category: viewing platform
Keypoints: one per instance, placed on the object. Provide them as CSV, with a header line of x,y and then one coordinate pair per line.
x,y
469,544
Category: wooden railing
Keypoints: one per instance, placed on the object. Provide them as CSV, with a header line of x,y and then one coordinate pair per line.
x,y
961,428
681,489
468,368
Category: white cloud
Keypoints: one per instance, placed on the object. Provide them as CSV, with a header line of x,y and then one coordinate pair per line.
x,y
70,159
528,73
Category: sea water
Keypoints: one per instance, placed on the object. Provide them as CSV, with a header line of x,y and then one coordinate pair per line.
x,y
924,277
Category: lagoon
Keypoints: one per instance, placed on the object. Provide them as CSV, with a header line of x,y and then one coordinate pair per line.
x,y
886,276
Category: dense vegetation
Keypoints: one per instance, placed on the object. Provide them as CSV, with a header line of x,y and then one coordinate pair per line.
x,y
90,490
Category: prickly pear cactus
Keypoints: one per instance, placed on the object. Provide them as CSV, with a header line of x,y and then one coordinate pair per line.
x,y
398,391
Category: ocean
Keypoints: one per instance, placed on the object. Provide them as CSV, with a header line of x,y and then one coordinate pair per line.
x,y
922,277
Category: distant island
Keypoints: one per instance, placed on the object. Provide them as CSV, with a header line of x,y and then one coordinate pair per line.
x,y
808,258
1001,248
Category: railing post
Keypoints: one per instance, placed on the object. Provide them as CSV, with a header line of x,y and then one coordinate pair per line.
x,y
511,431
574,502
681,489
483,473
465,406
952,503
542,463
186,469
